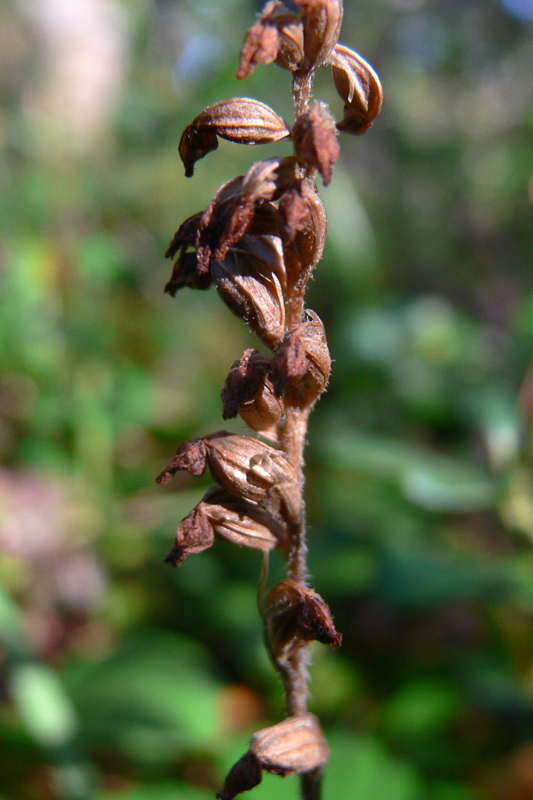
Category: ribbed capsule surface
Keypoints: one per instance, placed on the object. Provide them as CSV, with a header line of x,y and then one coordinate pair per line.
x,y
247,282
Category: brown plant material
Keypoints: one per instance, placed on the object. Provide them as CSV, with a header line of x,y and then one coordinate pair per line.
x,y
194,534
247,282
249,391
292,747
315,140
294,614
359,87
322,20
240,120
277,35
242,522
259,241
303,226
302,364
243,466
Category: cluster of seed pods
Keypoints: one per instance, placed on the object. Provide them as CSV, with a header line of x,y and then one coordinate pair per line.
x,y
258,243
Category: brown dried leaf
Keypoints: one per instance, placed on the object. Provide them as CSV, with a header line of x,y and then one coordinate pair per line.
x,y
315,140
240,120
359,87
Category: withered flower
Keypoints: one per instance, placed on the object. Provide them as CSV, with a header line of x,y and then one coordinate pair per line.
x,y
249,391
292,747
276,36
294,614
315,140
303,227
359,87
302,364
232,518
322,20
240,120
243,466
248,283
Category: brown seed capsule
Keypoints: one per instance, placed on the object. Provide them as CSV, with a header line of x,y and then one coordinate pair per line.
x,y
303,231
322,20
315,140
240,120
291,747
359,87
245,467
276,36
302,365
247,282
248,468
242,522
249,391
295,614
194,535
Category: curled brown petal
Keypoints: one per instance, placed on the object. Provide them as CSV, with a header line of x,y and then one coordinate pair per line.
x,y
277,35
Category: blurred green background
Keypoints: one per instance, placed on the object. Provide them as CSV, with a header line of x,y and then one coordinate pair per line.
x,y
122,678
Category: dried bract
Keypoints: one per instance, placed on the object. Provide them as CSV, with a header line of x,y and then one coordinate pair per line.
x,y
191,456
294,614
277,35
240,120
359,87
322,21
247,282
315,140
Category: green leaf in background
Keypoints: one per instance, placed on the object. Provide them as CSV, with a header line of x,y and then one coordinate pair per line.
x,y
152,697
438,483
361,768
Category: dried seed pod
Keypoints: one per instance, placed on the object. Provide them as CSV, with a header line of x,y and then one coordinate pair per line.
x,y
195,534
247,282
303,231
294,614
302,365
322,20
315,140
240,120
245,467
277,35
243,522
248,468
359,87
292,747
249,391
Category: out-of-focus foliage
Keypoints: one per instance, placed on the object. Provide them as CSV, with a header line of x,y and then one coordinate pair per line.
x,y
121,678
